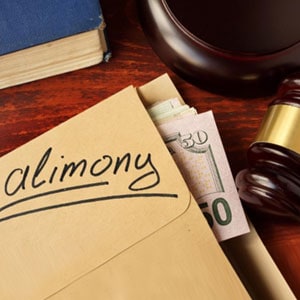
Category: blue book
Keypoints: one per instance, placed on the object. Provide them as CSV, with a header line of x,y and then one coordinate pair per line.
x,y
41,38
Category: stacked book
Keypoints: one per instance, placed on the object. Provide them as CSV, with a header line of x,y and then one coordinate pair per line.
x,y
42,38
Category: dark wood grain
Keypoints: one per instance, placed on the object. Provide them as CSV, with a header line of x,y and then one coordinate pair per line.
x,y
28,110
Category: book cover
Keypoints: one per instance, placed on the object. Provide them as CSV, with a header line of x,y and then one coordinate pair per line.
x,y
41,38
26,23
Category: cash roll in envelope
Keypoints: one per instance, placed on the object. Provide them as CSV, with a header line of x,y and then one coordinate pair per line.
x,y
96,208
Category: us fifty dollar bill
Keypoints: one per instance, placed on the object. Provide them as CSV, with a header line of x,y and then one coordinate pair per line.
x,y
195,144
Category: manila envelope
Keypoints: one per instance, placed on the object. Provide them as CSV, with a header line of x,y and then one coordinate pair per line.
x,y
247,253
97,209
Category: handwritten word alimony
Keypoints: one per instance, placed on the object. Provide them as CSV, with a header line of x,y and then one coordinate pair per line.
x,y
48,171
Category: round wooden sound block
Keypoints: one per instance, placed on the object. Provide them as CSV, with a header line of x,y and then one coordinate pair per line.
x,y
241,48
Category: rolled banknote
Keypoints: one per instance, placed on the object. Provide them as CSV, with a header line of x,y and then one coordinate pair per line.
x,y
168,110
196,146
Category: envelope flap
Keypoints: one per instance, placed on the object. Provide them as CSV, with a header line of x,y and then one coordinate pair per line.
x,y
81,193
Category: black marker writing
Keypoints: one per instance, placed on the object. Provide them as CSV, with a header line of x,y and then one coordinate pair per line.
x,y
53,174
85,201
47,173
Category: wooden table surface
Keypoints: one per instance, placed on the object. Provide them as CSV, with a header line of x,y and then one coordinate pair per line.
x,y
31,109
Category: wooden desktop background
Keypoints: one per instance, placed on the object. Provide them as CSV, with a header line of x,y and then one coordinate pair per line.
x,y
28,110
